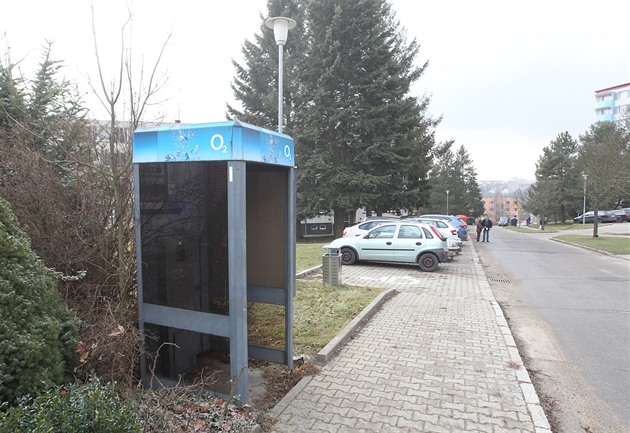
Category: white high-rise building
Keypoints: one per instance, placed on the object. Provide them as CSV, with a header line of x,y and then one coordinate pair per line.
x,y
611,103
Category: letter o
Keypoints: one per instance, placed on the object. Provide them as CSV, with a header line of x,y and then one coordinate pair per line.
x,y
221,143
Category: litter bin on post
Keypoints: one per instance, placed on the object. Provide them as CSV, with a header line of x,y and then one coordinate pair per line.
x,y
331,266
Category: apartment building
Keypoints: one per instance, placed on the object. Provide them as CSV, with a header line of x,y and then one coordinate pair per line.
x,y
496,207
611,103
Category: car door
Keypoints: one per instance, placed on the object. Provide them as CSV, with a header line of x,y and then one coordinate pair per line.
x,y
408,243
378,244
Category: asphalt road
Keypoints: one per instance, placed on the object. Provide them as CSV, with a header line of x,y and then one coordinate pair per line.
x,y
569,308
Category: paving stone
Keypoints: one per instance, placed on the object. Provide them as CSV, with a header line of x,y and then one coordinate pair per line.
x,y
436,357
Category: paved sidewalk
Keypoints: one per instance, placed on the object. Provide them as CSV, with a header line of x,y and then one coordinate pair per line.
x,y
437,356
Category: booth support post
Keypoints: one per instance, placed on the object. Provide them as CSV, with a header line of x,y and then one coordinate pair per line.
x,y
237,276
290,248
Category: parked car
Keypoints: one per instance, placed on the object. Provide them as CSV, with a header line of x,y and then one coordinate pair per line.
x,y
364,227
470,221
606,216
462,227
398,242
453,248
447,229
620,215
503,221
382,217
589,217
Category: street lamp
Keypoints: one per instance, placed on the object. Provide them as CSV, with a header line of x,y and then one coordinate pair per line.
x,y
280,27
447,202
584,204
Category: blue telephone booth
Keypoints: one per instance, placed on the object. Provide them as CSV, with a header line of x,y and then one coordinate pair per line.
x,y
215,231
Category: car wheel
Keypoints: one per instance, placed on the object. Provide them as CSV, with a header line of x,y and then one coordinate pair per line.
x,y
428,262
348,256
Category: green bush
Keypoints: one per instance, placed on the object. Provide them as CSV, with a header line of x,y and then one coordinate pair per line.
x,y
90,407
37,332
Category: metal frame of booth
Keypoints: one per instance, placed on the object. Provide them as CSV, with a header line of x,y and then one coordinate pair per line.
x,y
215,205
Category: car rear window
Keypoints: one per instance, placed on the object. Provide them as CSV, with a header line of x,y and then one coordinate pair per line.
x,y
427,233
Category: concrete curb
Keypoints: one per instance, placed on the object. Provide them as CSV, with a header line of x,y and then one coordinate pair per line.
x,y
308,272
539,418
275,411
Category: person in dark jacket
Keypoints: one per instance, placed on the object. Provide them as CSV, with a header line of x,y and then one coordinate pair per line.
x,y
487,225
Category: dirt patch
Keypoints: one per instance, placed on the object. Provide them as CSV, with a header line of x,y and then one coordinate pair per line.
x,y
277,382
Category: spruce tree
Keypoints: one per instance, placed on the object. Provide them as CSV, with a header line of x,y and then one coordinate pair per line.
x,y
12,103
470,201
362,139
37,332
255,85
455,172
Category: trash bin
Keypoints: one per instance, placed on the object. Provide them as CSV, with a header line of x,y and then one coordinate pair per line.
x,y
331,266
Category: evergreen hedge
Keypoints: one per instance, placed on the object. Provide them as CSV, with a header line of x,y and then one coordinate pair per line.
x,y
90,407
37,332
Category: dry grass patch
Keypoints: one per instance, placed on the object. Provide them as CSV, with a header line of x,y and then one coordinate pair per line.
x,y
320,312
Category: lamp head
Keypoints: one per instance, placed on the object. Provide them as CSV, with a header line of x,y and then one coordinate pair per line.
x,y
281,27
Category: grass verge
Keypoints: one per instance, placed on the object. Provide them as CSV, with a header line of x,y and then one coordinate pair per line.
x,y
553,227
610,244
308,252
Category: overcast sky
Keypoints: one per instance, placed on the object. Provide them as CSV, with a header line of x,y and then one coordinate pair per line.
x,y
506,76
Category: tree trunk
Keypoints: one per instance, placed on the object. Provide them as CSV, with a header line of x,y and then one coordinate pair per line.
x,y
299,234
339,225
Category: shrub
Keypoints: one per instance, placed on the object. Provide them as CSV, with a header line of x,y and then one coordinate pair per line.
x,y
37,331
90,407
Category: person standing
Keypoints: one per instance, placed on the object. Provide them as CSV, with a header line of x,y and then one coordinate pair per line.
x,y
487,225
479,228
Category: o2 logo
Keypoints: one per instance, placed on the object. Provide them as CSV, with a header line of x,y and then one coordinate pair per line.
x,y
218,143
287,151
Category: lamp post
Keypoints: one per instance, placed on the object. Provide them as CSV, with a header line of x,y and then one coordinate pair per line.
x,y
280,27
447,202
584,204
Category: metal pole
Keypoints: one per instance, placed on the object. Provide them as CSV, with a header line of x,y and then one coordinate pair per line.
x,y
280,85
447,202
